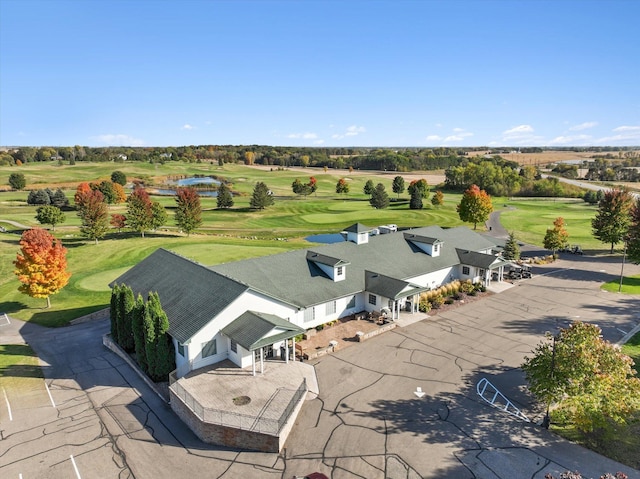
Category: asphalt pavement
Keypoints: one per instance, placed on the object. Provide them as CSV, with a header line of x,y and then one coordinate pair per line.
x,y
369,420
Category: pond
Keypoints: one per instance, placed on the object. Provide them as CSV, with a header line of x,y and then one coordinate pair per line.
x,y
167,192
203,180
326,238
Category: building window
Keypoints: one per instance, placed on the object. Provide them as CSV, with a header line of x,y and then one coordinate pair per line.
x,y
330,308
209,348
465,270
373,299
352,303
339,271
435,248
309,314
181,349
234,346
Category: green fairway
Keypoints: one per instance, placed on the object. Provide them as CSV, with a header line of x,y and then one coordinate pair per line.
x,y
19,369
630,285
233,234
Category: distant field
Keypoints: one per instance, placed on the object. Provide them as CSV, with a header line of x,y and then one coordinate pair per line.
x,y
238,233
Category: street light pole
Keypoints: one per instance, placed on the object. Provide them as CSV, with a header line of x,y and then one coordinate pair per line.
x,y
624,255
546,422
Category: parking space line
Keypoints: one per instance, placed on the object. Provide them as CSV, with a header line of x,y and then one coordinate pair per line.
x,y
75,468
49,393
8,405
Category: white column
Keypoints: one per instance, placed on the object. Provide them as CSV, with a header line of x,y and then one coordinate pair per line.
x,y
262,360
253,362
286,351
293,343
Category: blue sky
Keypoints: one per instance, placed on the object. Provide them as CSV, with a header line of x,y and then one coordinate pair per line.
x,y
320,73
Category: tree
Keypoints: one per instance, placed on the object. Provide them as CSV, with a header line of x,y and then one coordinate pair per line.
x,y
38,197
437,199
299,188
368,188
613,218
590,380
120,195
119,177
398,185
556,237
126,304
107,189
420,187
137,328
94,213
415,203
261,197
188,209
80,192
41,266
225,197
313,184
114,311
59,199
379,198
511,248
17,181
475,206
159,215
342,186
50,215
633,239
165,354
118,221
149,331
139,212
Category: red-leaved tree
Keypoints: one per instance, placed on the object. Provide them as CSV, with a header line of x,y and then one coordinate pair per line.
x,y
41,265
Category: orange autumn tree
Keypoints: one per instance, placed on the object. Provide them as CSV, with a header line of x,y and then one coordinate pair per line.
x,y
41,265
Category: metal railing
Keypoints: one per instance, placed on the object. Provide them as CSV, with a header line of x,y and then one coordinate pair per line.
x,y
261,423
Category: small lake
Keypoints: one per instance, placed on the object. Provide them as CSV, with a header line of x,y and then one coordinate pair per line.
x,y
203,180
166,192
193,181
329,238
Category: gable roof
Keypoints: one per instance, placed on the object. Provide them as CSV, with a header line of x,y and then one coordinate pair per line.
x,y
291,278
251,328
389,287
358,228
480,260
421,239
190,293
324,259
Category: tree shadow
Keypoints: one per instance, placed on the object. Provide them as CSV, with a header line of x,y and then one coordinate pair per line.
x,y
12,306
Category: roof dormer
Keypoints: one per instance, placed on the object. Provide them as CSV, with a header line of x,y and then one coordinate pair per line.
x,y
431,246
358,233
335,268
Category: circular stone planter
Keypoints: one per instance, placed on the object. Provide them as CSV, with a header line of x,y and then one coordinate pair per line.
x,y
241,400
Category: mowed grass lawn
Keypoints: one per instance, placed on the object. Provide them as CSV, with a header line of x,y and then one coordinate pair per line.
x,y
20,374
233,234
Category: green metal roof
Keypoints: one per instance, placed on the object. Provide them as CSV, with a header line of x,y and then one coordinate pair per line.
x,y
252,330
191,294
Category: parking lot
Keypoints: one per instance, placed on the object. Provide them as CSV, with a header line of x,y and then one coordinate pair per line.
x,y
367,420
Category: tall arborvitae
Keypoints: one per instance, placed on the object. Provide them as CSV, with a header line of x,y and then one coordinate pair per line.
x,y
127,304
114,311
511,248
137,327
149,329
165,355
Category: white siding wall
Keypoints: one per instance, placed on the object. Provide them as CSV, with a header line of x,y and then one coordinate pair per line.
x,y
437,278
249,300
320,312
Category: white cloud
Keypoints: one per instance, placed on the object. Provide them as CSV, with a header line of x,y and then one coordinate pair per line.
x,y
434,138
304,136
318,142
571,140
631,129
626,135
353,130
584,126
518,130
458,130
459,134
187,126
118,140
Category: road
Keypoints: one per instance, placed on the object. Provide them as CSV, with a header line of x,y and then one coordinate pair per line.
x,y
367,421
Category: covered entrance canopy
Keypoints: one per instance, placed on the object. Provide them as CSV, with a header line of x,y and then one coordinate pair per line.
x,y
399,292
254,331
